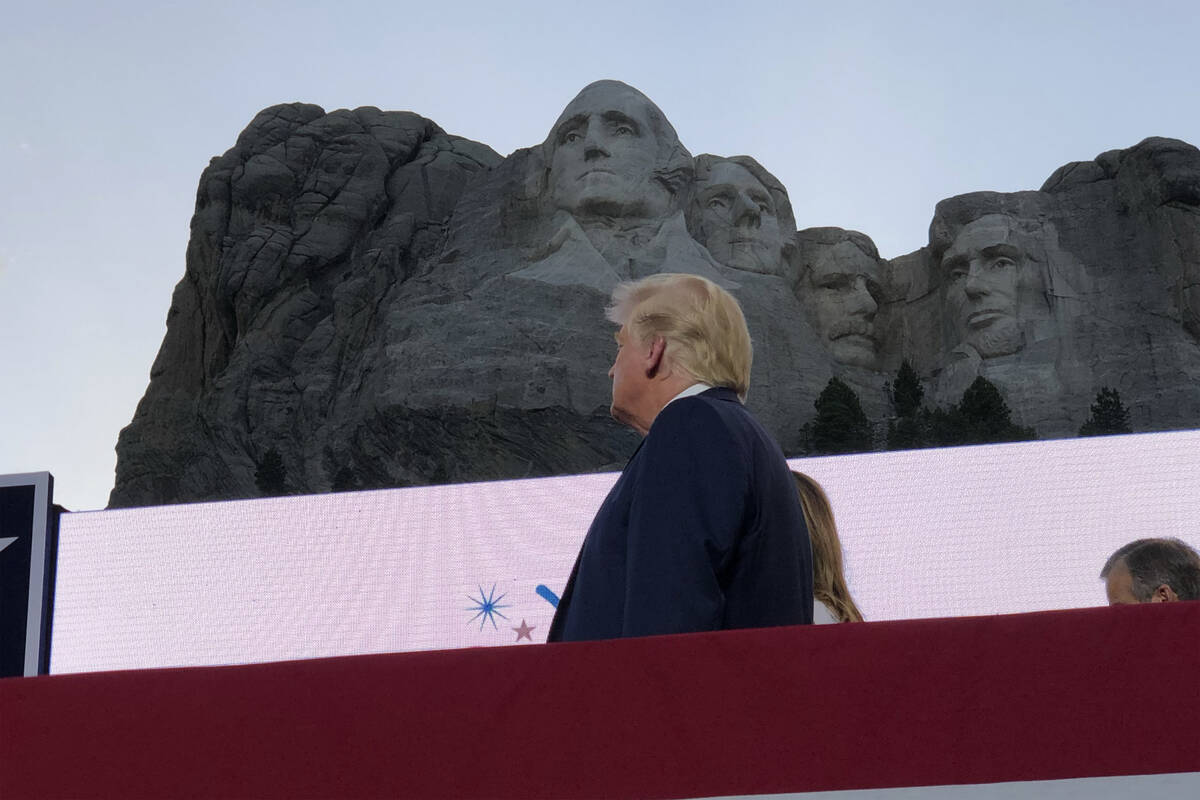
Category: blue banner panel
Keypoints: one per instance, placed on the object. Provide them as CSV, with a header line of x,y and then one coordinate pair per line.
x,y
26,573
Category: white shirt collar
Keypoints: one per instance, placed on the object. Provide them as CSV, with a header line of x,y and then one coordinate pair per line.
x,y
695,388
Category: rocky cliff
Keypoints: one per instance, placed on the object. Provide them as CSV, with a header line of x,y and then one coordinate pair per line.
x,y
381,303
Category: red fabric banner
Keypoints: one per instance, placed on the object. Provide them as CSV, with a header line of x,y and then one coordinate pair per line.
x,y
1107,691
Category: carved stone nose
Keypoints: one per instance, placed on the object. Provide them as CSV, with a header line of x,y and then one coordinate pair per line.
x,y
592,147
864,303
974,286
746,212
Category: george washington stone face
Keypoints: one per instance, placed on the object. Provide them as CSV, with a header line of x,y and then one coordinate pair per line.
x,y
609,155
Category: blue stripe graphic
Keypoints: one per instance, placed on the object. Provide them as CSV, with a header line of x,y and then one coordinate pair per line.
x,y
547,595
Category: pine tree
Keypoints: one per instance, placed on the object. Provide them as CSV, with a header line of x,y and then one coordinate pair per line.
x,y
984,412
840,425
271,476
907,393
982,416
942,427
344,481
907,431
1109,415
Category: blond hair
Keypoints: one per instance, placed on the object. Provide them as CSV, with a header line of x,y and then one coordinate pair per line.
x,y
701,323
829,579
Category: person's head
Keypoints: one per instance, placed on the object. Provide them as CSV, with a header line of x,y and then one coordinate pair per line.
x,y
841,278
741,213
829,579
612,153
1152,571
675,330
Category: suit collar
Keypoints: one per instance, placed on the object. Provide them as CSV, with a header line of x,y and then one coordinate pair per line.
x,y
714,393
694,389
721,393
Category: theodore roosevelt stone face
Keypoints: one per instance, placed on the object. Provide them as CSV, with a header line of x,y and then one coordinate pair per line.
x,y
605,151
738,221
841,291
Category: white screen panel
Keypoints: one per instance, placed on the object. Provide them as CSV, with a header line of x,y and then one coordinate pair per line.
x,y
949,532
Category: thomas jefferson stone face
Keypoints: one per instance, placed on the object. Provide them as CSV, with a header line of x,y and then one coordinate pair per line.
x,y
738,220
983,269
843,285
605,154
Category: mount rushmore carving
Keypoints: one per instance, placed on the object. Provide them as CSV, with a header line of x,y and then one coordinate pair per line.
x,y
374,302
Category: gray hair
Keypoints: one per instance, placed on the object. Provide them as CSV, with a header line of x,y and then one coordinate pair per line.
x,y
1155,562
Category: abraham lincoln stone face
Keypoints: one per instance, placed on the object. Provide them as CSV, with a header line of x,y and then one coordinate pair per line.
x,y
984,267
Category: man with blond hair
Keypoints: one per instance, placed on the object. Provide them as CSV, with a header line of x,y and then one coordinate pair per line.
x,y
703,530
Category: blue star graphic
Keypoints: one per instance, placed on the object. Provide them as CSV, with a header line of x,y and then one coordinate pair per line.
x,y
488,607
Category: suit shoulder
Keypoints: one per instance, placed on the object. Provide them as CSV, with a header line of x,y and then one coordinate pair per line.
x,y
692,411
698,425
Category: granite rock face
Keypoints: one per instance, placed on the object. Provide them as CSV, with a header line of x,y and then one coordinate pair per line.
x,y
300,231
384,304
1052,294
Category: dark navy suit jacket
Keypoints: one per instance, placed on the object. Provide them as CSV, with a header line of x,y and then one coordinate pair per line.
x,y
703,531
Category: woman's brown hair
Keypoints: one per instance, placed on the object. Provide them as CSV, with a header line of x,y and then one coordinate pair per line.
x,y
829,579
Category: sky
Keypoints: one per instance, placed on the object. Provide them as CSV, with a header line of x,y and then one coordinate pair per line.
x,y
869,112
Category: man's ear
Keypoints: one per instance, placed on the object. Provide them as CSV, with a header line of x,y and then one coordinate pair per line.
x,y
654,359
1164,594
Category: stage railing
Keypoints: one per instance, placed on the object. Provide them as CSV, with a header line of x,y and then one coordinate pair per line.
x,y
1046,696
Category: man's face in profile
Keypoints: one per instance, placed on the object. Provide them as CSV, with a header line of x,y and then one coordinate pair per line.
x,y
983,272
605,154
1119,586
738,220
629,380
841,295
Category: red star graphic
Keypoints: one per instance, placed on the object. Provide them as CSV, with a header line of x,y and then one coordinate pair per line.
x,y
524,631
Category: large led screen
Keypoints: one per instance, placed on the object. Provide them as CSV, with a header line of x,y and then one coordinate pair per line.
x,y
948,532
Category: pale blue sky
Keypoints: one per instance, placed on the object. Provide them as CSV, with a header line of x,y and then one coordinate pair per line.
x,y
869,112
